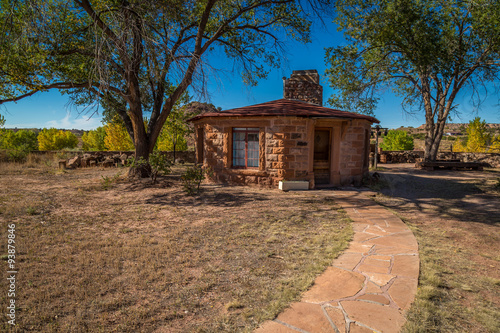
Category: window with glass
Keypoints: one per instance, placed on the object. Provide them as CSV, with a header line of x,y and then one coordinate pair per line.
x,y
245,147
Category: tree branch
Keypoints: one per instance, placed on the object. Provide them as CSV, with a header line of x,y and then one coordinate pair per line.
x,y
58,85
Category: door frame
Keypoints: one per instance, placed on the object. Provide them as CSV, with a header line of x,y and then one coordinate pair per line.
x,y
329,161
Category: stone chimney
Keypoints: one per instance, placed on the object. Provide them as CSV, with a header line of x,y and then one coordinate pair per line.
x,y
303,86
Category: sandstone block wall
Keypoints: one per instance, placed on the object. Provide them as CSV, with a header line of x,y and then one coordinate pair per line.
x,y
354,150
489,159
286,150
304,86
304,91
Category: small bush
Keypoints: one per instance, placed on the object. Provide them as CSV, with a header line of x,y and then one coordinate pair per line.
x,y
17,155
31,210
419,136
158,165
192,178
107,182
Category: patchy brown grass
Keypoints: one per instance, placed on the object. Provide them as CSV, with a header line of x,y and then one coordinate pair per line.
x,y
456,219
99,254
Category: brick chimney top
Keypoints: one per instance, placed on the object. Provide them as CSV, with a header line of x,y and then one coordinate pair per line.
x,y
304,86
310,75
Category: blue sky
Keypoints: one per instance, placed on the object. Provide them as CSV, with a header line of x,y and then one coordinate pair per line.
x,y
51,109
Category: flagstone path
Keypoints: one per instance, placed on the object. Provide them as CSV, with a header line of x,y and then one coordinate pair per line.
x,y
369,287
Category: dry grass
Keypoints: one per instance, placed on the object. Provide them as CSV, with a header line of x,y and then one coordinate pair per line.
x,y
129,257
456,219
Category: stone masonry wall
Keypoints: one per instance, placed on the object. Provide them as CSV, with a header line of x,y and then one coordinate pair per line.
x,y
304,86
287,149
354,156
113,158
488,159
218,154
187,156
284,151
303,91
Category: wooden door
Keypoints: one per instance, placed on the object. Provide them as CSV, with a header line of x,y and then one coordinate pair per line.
x,y
322,152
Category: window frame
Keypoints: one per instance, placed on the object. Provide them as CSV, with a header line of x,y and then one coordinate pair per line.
x,y
246,130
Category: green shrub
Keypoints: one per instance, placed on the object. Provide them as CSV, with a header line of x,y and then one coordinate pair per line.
x,y
158,165
107,182
192,178
18,144
397,140
17,155
419,136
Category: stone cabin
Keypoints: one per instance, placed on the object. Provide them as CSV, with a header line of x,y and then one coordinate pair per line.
x,y
294,138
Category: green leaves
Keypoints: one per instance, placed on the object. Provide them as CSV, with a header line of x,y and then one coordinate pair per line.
x,y
174,131
94,139
478,138
135,57
54,139
24,140
405,40
397,140
427,52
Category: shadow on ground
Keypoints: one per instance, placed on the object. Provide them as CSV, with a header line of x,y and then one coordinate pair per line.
x,y
229,197
467,197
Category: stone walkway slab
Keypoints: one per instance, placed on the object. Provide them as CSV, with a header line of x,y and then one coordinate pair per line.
x,y
369,287
334,283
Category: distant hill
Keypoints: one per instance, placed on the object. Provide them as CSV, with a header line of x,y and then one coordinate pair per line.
x,y
76,132
449,128
452,132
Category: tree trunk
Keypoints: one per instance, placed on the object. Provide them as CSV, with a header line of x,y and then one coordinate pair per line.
x,y
429,142
433,139
174,151
433,149
429,118
141,152
141,144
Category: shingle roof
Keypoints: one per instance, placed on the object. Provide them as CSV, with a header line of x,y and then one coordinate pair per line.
x,y
284,108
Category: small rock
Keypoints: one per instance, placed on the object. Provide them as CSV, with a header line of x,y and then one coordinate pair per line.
x,y
108,162
74,162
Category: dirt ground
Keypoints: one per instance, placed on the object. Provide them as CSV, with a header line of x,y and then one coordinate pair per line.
x,y
97,253
456,218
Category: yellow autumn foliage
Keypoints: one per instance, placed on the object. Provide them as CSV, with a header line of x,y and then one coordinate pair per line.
x,y
478,138
117,137
54,139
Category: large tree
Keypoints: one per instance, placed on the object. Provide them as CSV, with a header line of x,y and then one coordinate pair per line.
x,y
427,52
138,56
